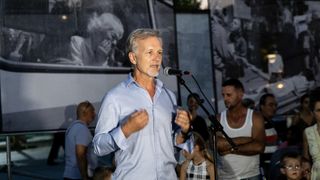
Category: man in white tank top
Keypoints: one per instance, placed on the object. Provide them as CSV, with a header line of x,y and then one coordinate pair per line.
x,y
246,128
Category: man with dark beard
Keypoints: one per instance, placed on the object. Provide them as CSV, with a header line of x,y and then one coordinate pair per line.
x,y
246,128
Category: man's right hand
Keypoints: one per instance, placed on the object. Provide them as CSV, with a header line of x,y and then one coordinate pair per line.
x,y
136,121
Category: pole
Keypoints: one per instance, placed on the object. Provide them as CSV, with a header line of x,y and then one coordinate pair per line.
x,y
8,157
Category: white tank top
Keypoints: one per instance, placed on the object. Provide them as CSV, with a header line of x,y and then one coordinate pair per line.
x,y
236,167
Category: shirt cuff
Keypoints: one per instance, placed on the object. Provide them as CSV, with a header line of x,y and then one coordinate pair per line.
x,y
119,138
188,144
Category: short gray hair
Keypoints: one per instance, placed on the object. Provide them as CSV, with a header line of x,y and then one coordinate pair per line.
x,y
140,34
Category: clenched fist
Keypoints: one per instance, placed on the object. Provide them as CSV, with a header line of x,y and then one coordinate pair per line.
x,y
136,121
183,120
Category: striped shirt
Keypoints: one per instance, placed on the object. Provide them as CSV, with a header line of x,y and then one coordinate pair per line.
x,y
271,140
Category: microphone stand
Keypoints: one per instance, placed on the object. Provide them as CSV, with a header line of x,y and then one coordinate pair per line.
x,y
217,127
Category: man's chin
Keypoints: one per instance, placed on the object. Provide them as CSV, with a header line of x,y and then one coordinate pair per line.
x,y
153,74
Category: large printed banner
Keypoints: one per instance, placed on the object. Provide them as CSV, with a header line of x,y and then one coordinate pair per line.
x,y
271,46
55,54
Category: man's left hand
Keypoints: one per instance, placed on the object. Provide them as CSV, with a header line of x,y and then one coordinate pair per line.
x,y
183,120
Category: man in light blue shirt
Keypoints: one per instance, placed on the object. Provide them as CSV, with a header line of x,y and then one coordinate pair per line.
x,y
135,119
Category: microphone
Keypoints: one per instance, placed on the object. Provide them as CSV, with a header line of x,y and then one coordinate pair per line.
x,y
176,72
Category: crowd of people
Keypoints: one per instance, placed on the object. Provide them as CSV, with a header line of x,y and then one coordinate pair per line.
x,y
156,139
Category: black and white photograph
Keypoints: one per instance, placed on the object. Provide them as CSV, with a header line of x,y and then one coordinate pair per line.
x,y
70,32
271,46
54,53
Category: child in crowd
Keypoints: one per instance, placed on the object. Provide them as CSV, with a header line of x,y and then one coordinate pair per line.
x,y
291,166
306,169
198,164
103,173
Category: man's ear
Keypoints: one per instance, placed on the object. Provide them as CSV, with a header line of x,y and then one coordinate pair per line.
x,y
282,171
132,58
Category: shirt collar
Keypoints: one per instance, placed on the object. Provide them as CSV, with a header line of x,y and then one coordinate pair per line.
x,y
130,81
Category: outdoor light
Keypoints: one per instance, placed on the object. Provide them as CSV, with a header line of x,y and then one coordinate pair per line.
x,y
280,85
271,58
64,17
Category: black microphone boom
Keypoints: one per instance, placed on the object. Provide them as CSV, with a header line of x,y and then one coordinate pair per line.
x,y
169,71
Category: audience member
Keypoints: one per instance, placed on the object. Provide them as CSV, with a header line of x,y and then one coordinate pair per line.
x,y
136,117
306,169
198,164
246,128
302,119
197,122
102,173
275,164
311,136
80,160
99,48
268,108
291,167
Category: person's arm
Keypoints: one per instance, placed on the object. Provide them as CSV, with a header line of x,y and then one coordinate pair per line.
x,y
183,170
225,148
246,145
223,145
257,145
110,135
136,121
210,170
183,121
81,154
305,146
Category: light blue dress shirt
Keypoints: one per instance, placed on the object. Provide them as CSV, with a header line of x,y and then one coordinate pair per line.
x,y
149,153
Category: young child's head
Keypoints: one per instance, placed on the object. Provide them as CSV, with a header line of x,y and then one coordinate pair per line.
x,y
306,169
102,173
199,149
291,166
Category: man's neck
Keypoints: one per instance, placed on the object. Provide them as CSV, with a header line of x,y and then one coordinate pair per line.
x,y
146,82
236,116
236,109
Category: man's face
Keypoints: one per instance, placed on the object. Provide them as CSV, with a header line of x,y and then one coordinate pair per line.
x,y
90,114
269,108
231,96
148,56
